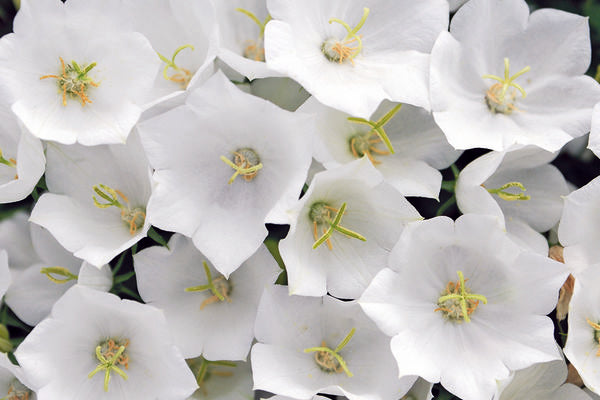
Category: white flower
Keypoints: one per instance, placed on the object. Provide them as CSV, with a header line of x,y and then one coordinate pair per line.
x,y
207,313
583,344
341,258
467,305
95,345
22,160
13,383
77,71
520,187
578,229
225,164
321,345
222,380
185,40
502,76
544,381
351,57
96,207
420,148
241,37
50,272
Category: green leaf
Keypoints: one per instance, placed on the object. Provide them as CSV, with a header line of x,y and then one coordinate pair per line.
x,y
152,234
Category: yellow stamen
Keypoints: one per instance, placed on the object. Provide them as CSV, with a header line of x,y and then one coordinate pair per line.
x,y
350,46
74,81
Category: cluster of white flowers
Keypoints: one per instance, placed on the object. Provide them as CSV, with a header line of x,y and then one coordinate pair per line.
x,y
221,123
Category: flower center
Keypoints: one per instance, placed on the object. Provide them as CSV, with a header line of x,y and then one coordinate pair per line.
x,y
245,162
501,96
255,49
509,196
111,354
180,75
320,214
596,327
204,369
366,143
133,217
220,288
457,302
18,391
331,361
349,47
74,81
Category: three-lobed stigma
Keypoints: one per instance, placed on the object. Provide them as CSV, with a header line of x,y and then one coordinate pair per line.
x,y
255,49
320,214
181,76
133,217
329,360
349,47
501,96
111,355
457,303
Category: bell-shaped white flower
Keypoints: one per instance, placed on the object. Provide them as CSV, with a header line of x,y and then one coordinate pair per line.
x,y
583,342
97,346
49,272
520,187
22,160
465,306
578,229
543,381
351,55
502,76
96,207
242,37
402,141
207,314
343,230
225,164
321,345
222,380
185,40
13,383
77,71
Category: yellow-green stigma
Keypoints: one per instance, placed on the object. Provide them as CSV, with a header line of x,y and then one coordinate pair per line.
x,y
457,303
220,287
111,355
58,275
181,75
367,143
331,361
509,196
349,47
74,81
501,96
320,214
18,391
133,217
245,162
204,369
255,49
596,327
